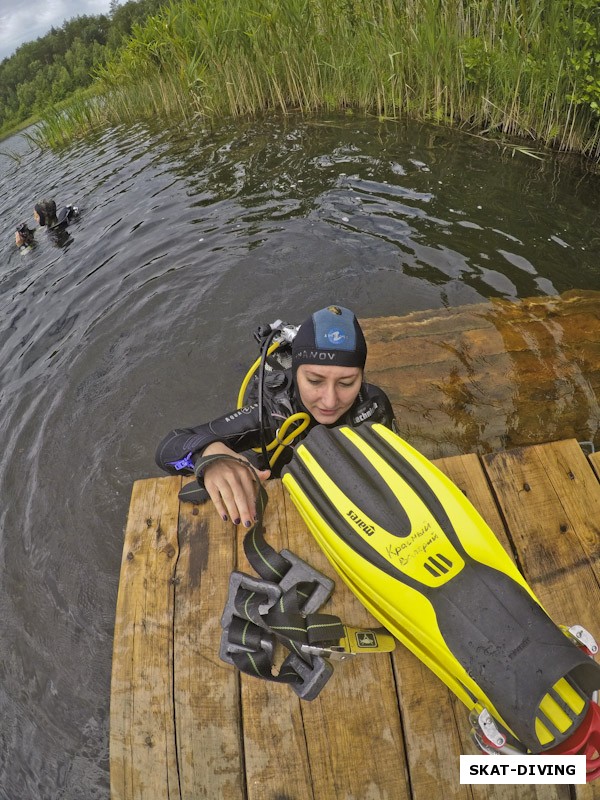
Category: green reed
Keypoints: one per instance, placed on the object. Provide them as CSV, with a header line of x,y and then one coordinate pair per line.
x,y
517,67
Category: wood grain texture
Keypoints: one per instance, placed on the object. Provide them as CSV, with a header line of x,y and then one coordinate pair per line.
x,y
142,733
493,375
206,690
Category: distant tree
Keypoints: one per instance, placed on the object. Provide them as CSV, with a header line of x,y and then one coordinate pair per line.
x,y
48,70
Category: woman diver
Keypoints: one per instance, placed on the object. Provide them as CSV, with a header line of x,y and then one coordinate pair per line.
x,y
324,386
45,214
55,222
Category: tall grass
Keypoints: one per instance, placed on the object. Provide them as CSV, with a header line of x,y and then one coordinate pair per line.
x,y
518,67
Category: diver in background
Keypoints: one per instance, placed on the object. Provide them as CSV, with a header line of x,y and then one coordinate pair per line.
x,y
325,383
24,237
46,215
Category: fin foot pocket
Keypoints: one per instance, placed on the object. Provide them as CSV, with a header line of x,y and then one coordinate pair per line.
x,y
585,742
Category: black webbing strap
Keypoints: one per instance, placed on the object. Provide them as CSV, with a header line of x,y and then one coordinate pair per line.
x,y
280,606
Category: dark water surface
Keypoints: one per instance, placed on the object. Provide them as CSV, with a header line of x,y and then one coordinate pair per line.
x,y
144,321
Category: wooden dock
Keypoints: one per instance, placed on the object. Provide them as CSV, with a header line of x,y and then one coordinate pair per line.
x,y
186,726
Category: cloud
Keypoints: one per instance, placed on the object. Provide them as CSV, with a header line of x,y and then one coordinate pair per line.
x,y
28,21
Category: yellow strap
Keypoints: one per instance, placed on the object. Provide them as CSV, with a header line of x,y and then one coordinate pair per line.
x,y
367,640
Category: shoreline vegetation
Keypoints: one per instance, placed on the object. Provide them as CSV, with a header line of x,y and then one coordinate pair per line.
x,y
515,68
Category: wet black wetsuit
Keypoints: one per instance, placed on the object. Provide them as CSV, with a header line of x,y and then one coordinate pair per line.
x,y
240,429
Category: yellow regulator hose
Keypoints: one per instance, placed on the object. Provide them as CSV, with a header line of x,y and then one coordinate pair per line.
x,y
283,438
250,373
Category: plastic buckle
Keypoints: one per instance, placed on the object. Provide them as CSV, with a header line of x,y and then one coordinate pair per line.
x,y
239,580
184,463
582,638
313,677
485,724
333,653
228,649
301,572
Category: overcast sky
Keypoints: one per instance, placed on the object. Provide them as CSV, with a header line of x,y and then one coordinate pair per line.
x,y
26,20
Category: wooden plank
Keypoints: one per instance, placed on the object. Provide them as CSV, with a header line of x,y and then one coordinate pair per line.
x,y
275,752
594,460
142,735
432,729
435,722
551,500
353,728
206,690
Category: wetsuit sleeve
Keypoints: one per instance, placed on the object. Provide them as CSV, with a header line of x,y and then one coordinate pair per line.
x,y
239,430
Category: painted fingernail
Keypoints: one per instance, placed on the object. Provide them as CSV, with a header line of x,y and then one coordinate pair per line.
x,y
237,521
256,518
225,517
247,523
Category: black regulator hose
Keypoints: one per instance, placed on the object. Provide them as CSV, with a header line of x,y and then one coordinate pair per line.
x,y
261,381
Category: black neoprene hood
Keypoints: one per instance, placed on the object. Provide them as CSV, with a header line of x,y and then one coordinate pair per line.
x,y
330,337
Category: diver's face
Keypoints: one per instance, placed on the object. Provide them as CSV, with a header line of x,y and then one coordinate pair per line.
x,y
36,217
328,392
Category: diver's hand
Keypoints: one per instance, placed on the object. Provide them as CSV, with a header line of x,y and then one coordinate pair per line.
x,y
231,486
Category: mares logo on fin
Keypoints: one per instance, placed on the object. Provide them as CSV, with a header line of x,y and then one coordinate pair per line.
x,y
365,527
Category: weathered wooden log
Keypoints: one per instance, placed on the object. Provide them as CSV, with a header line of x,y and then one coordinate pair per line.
x,y
491,376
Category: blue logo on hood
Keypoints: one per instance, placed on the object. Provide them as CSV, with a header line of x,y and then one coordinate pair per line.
x,y
335,336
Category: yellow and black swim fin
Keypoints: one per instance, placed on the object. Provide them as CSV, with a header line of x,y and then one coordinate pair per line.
x,y
424,562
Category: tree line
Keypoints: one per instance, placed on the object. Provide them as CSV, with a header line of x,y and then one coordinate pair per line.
x,y
44,72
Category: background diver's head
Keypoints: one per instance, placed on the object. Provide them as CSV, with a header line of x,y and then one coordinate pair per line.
x,y
23,235
328,358
45,212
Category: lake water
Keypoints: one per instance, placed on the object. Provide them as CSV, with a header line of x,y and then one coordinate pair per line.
x,y
143,320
